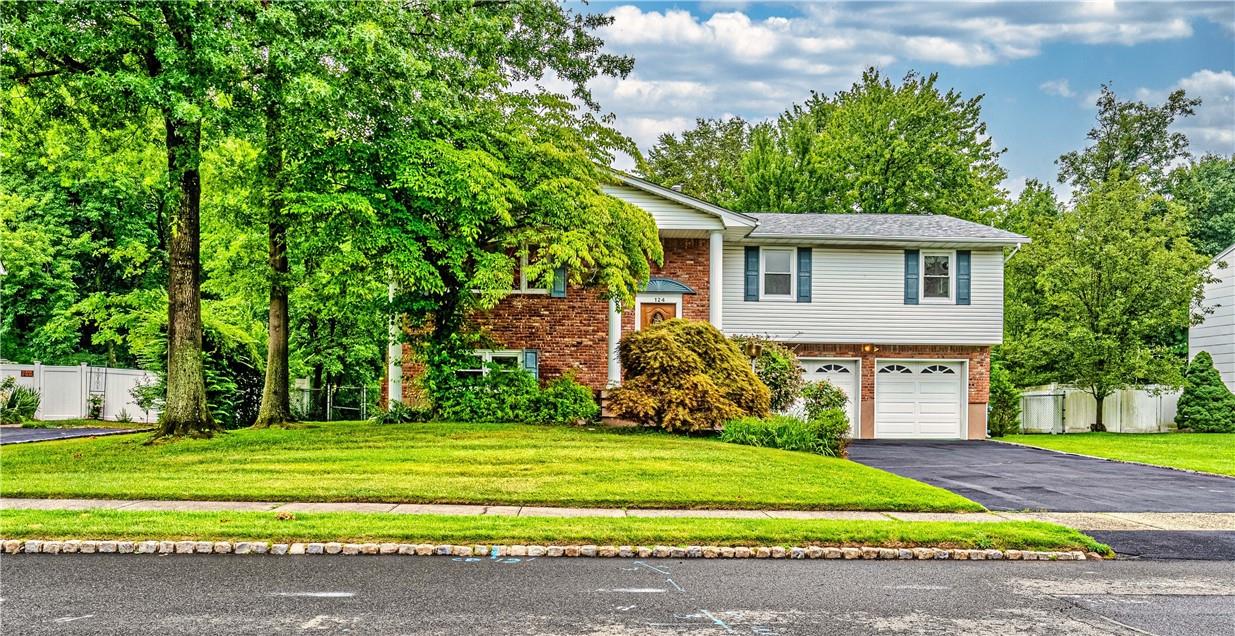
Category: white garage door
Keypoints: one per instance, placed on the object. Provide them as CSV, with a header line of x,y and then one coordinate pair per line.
x,y
918,400
843,374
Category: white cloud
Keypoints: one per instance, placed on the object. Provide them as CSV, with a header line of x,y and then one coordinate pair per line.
x,y
1213,127
1057,87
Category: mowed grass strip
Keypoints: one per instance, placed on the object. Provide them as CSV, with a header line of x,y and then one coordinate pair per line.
x,y
380,527
461,463
1204,452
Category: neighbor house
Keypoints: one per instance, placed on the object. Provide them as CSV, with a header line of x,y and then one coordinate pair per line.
x,y
1217,333
900,311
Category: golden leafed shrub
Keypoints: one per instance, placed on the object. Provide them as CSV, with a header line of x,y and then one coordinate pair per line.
x,y
684,375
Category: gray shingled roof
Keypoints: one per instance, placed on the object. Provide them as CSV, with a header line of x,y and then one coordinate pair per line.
x,y
904,227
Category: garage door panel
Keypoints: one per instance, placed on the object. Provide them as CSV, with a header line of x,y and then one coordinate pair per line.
x,y
918,400
842,374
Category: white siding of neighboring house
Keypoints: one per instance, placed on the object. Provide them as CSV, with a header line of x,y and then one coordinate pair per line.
x,y
858,296
669,215
1217,334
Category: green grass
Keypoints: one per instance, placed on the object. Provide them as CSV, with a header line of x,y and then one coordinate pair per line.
x,y
1205,452
461,463
306,527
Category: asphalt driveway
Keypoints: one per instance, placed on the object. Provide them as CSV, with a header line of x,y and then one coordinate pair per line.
x,y
14,435
1006,477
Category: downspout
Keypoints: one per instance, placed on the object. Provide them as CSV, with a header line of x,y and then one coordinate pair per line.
x,y
1012,253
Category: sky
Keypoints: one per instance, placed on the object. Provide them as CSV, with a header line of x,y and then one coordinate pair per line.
x,y
1039,64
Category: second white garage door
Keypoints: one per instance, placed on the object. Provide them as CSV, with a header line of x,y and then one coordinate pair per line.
x,y
841,373
918,400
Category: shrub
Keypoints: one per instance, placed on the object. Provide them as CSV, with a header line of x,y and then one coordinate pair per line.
x,y
684,375
1206,405
777,366
1005,403
400,413
827,435
497,396
17,403
822,396
123,416
565,401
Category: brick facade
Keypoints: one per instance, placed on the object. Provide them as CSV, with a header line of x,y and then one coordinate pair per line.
x,y
686,261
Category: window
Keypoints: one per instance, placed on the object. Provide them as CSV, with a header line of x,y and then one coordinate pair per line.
x,y
528,286
777,272
936,275
832,368
487,361
895,368
939,368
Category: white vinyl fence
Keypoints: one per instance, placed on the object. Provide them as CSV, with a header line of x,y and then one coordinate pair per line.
x,y
67,391
1061,409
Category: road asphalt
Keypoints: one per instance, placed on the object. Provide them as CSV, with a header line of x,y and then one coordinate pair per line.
x,y
228,594
18,435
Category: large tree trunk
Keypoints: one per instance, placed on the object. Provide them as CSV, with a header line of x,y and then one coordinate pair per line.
x,y
185,412
276,406
1098,426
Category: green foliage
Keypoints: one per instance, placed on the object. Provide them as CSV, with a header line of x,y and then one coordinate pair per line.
x,y
1132,140
880,146
1206,405
706,160
1091,299
1206,189
1005,403
777,367
823,396
401,413
17,403
684,375
565,401
824,435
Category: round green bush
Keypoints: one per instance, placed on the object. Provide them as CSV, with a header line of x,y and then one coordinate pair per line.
x,y
822,396
684,375
777,366
1206,405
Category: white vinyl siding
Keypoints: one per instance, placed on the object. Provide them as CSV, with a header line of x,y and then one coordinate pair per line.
x,y
1217,333
669,215
858,296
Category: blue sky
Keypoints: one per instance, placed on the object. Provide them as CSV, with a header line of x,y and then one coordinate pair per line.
x,y
1039,64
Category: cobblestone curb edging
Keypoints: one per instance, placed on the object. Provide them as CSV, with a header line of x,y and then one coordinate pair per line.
x,y
32,546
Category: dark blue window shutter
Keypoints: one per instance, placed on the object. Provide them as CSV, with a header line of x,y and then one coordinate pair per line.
x,y
752,273
804,272
962,277
531,361
911,277
559,283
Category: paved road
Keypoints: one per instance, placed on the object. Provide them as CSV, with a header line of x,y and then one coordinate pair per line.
x,y
11,435
228,594
1007,477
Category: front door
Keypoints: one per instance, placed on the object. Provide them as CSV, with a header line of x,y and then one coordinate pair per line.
x,y
655,313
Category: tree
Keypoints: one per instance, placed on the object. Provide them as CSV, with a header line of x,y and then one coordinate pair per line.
x,y
1035,207
1206,405
907,149
1102,283
777,168
1206,189
127,58
1132,139
705,160
1005,403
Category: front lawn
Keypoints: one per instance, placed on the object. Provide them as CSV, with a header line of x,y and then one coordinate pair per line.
x,y
1205,452
364,527
461,463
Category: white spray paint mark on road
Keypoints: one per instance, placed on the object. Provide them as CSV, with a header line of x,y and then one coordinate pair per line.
x,y
635,590
316,594
723,624
70,619
641,564
679,587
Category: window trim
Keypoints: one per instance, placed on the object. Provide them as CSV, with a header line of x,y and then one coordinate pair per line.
x,y
950,299
792,296
486,358
523,282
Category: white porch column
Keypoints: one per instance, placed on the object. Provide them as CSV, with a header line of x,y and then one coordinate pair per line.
x,y
615,334
394,352
716,255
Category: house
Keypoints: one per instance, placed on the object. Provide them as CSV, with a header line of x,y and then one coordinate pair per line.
x,y
900,311
1217,333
